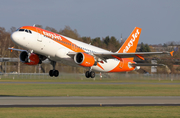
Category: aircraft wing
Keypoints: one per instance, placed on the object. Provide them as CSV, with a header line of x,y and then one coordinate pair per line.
x,y
129,55
12,48
146,64
110,55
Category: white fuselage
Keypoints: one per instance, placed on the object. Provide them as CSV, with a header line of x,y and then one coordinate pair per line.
x,y
44,45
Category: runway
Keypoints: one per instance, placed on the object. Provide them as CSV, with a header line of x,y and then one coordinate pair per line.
x,y
89,101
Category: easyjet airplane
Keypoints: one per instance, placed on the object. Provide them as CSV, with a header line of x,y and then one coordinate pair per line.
x,y
42,45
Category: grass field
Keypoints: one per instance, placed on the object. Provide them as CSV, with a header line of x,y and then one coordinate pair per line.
x,y
133,86
92,112
35,89
89,87
65,77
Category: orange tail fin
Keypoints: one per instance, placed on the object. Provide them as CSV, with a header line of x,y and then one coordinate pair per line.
x,y
131,43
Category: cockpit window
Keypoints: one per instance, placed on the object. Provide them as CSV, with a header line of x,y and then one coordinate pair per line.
x,y
22,30
26,30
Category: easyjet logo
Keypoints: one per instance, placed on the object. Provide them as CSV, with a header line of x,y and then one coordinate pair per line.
x,y
130,43
54,36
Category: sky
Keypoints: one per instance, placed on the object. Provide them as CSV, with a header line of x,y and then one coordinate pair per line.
x,y
159,19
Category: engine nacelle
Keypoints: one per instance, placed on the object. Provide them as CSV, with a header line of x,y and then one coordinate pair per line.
x,y
32,59
84,59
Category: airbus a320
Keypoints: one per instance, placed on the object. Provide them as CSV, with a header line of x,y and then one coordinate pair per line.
x,y
41,45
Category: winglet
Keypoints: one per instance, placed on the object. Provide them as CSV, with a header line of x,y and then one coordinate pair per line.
x,y
172,53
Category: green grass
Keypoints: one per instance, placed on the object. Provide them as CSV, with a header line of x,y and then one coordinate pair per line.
x,y
142,86
82,78
89,90
92,112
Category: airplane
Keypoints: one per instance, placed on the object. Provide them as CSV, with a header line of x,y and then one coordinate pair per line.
x,y
43,46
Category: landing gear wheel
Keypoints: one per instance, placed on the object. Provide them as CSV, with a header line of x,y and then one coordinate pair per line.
x,y
87,74
92,74
53,73
56,73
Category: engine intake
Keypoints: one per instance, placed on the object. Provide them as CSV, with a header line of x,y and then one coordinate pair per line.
x,y
84,59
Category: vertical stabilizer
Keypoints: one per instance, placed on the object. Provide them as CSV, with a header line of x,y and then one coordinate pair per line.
x,y
131,43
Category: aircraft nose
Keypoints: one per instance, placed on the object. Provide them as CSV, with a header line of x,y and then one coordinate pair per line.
x,y
15,37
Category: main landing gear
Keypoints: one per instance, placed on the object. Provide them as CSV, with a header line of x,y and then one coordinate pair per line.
x,y
90,73
53,72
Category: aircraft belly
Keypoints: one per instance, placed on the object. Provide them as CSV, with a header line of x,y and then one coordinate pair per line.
x,y
106,67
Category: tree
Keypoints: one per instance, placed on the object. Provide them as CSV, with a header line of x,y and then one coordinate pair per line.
x,y
144,48
51,29
114,44
40,26
86,39
67,31
164,45
97,42
106,40
147,48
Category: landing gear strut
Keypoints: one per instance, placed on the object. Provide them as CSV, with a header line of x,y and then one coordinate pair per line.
x,y
53,72
90,74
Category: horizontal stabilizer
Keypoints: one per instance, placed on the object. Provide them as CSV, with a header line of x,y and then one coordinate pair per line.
x,y
146,64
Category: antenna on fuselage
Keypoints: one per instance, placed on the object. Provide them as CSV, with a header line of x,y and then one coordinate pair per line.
x,y
34,25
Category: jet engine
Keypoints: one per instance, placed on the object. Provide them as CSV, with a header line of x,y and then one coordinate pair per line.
x,y
29,58
84,59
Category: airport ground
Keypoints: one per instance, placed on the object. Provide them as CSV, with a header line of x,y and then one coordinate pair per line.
x,y
92,112
68,87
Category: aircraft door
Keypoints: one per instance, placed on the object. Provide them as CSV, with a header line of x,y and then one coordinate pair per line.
x,y
40,43
39,36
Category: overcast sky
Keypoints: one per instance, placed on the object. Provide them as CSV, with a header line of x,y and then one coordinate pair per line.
x,y
159,19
